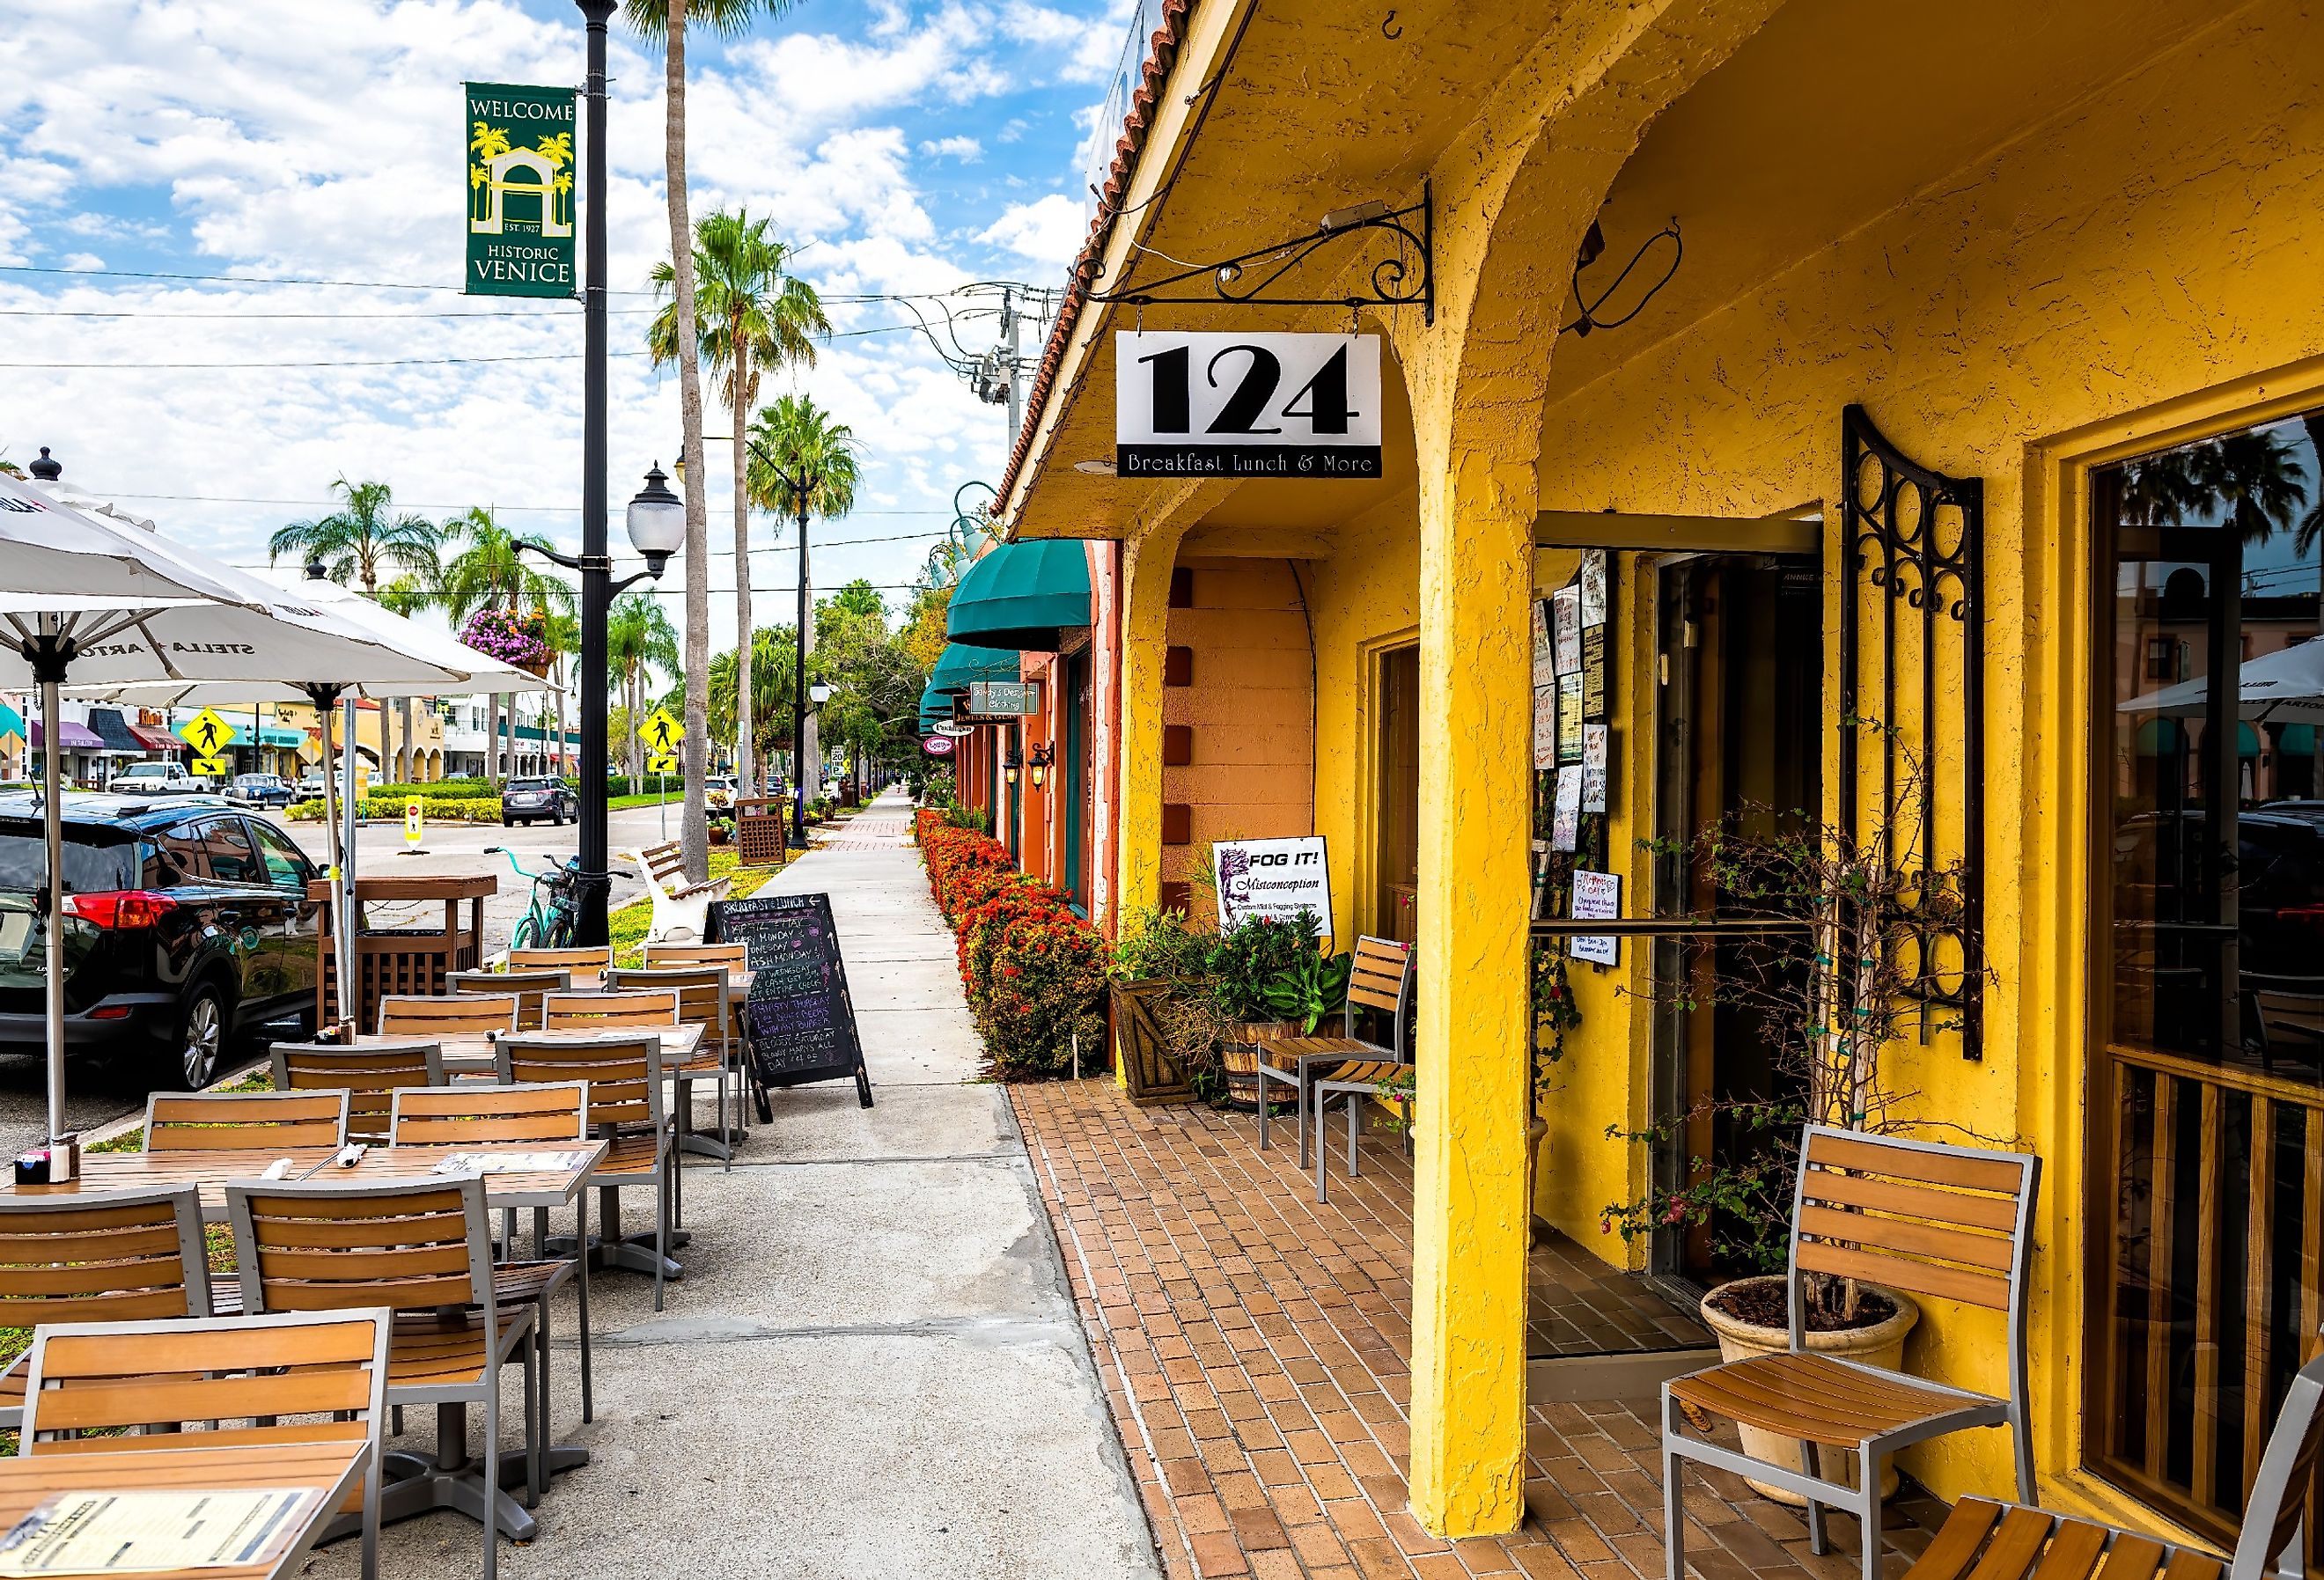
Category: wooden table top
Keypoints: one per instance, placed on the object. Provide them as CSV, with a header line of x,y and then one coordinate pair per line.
x,y
330,1468
470,1053
212,1168
591,979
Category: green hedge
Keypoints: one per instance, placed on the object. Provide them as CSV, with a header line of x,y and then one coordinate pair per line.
x,y
468,809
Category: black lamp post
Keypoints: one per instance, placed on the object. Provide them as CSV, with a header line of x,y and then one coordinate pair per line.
x,y
657,523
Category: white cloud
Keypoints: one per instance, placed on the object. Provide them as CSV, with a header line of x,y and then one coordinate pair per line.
x,y
967,150
1047,230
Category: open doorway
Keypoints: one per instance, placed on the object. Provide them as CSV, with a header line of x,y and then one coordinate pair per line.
x,y
1396,859
1739,745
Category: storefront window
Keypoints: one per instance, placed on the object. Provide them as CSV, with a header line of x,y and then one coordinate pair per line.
x,y
2210,985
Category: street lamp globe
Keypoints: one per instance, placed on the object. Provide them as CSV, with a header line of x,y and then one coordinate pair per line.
x,y
657,521
818,693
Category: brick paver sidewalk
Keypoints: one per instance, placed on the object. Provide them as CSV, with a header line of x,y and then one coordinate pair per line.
x,y
1255,1345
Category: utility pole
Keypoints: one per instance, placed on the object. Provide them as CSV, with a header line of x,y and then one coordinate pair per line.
x,y
1016,385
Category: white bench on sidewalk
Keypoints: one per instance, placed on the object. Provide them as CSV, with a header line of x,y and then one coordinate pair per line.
x,y
681,911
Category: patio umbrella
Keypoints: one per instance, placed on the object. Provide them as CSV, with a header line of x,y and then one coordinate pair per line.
x,y
449,665
105,604
2285,686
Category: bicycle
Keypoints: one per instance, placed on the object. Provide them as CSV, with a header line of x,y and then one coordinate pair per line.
x,y
548,922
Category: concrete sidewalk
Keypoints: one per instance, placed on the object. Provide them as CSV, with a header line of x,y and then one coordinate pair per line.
x,y
872,1367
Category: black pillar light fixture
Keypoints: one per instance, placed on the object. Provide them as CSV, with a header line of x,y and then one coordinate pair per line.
x,y
1043,755
657,525
1012,763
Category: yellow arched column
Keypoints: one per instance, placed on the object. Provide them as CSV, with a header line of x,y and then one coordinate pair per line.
x,y
1514,196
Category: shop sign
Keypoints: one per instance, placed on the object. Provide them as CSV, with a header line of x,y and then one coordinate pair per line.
x,y
1003,698
1272,878
938,745
521,198
1200,405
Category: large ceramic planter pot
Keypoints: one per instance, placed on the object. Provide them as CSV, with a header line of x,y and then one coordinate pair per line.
x,y
1880,1344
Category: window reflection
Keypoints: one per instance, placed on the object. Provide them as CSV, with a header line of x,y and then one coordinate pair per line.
x,y
2217,817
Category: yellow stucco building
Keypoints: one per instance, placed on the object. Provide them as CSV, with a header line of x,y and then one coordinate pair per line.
x,y
1907,277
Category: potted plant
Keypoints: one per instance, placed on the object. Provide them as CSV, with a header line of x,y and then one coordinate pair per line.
x,y
722,829
1270,977
1831,998
1170,1035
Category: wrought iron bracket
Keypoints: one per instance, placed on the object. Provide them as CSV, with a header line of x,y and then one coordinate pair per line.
x,y
1912,701
1248,278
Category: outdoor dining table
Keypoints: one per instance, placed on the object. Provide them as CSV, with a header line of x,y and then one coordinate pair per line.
x,y
332,1469
416,1484
470,1053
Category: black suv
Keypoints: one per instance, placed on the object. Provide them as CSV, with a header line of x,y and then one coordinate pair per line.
x,y
529,800
186,922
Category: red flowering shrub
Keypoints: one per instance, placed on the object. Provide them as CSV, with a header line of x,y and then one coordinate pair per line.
x,y
1034,972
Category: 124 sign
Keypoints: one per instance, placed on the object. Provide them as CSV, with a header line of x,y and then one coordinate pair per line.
x,y
1190,404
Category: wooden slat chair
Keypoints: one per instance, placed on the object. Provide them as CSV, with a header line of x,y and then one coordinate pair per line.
x,y
623,1072
609,1012
1380,980
704,1000
301,1377
115,1256
369,1073
188,1121
528,985
733,957
540,1118
425,1252
681,911
570,959
464,1014
2015,1541
1949,1222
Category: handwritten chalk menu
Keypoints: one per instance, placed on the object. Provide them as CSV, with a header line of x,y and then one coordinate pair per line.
x,y
799,1020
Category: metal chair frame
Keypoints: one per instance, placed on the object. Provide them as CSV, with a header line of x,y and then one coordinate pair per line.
x,y
1852,1155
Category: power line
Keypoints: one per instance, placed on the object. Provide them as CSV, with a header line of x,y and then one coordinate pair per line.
x,y
560,509
964,288
375,362
37,312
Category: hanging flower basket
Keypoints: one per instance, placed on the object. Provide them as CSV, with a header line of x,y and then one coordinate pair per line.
x,y
520,640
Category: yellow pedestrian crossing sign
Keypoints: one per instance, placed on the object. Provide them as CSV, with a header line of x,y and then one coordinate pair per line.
x,y
206,732
213,767
662,765
662,732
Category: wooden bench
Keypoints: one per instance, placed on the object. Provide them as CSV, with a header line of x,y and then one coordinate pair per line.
x,y
681,911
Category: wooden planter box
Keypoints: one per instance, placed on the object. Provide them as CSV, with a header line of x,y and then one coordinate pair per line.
x,y
1139,1049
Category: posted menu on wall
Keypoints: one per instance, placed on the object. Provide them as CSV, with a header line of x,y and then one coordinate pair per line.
x,y
800,1019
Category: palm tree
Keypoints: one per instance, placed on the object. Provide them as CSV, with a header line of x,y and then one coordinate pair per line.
x,y
492,573
638,640
362,537
666,20
754,318
802,465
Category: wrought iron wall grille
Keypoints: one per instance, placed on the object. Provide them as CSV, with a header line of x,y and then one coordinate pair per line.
x,y
1912,703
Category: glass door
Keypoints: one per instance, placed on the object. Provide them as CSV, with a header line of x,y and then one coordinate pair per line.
x,y
1738,747
2206,1095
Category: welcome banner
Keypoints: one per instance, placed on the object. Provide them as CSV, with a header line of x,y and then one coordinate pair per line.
x,y
521,196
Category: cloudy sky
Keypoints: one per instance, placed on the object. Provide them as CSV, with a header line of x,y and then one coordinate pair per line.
x,y
907,148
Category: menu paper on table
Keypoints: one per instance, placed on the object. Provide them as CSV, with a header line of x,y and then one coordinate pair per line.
x,y
137,1533
506,1162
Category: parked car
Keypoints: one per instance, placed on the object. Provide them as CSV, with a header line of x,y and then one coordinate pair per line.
x,y
718,793
160,779
260,789
529,800
187,924
310,785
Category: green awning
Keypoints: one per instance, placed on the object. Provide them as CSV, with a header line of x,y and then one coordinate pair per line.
x,y
962,666
11,722
1022,596
2296,741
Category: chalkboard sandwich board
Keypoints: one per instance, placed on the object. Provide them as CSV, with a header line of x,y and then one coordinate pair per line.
x,y
799,1020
